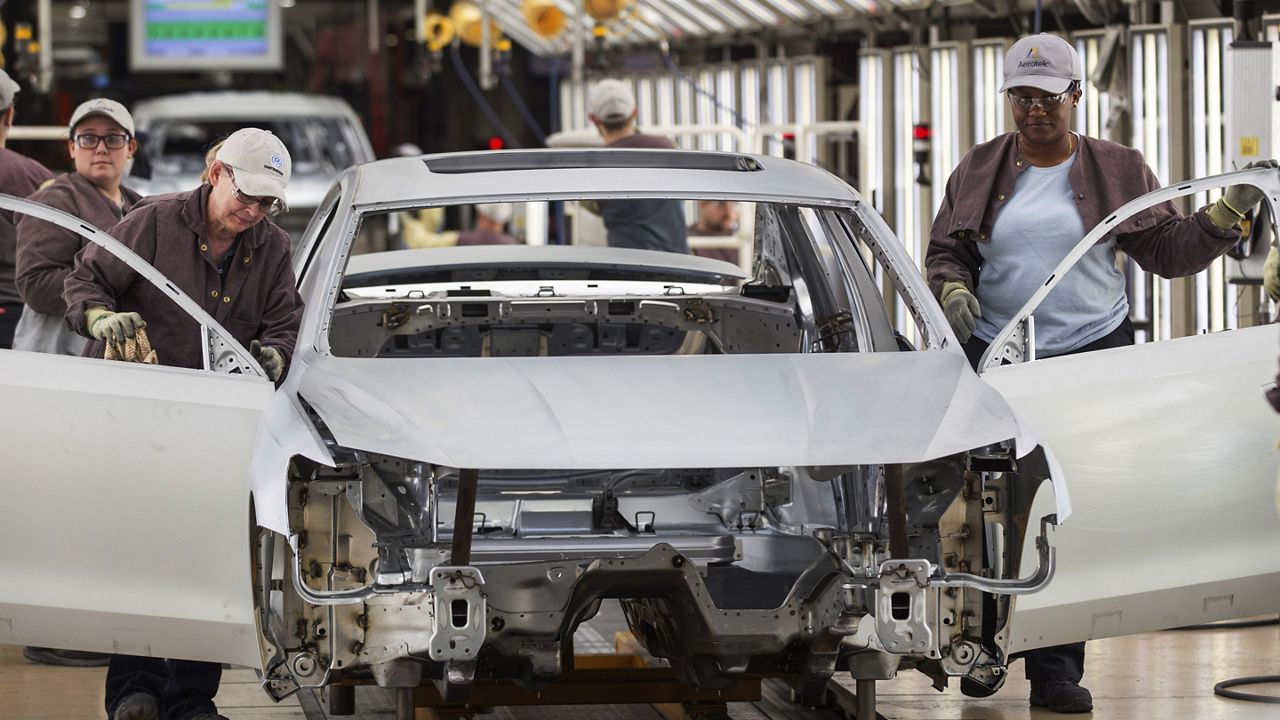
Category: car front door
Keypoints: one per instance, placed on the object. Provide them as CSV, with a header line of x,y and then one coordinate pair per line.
x,y
1169,449
124,517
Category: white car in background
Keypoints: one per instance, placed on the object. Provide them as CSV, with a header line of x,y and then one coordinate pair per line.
x,y
323,134
475,445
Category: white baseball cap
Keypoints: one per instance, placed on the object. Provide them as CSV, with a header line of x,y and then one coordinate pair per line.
x,y
1043,61
8,89
261,162
497,212
107,108
611,100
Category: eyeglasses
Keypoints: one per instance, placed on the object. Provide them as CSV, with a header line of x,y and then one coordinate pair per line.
x,y
89,142
1047,104
269,205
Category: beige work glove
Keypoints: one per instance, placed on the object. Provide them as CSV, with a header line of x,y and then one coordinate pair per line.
x,y
108,326
960,307
269,358
1230,209
1271,274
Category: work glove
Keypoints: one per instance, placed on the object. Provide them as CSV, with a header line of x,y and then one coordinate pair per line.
x,y
960,307
1238,199
109,326
1271,274
269,358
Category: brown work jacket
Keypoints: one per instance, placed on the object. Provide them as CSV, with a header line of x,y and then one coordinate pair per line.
x,y
1104,176
19,176
256,301
47,252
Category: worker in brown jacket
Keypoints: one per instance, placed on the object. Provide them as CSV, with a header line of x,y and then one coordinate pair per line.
x,y
1014,208
102,141
216,244
19,176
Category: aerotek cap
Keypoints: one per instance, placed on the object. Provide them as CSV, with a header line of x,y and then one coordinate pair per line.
x,y
106,108
261,162
611,100
1044,61
8,89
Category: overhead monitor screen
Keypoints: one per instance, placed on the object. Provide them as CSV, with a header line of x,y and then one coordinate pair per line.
x,y
178,35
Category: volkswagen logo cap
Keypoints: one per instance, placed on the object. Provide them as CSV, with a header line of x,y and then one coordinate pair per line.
x,y
1043,61
260,161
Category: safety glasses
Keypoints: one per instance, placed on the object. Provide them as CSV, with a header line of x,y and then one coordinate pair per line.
x,y
269,205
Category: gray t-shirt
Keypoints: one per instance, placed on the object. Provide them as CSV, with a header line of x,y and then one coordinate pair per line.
x,y
645,224
1032,233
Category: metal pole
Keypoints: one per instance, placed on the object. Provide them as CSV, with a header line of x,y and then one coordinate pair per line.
x,y
865,694
579,59
420,20
372,20
463,516
487,80
44,18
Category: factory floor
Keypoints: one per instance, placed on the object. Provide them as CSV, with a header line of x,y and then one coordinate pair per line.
x,y
1166,675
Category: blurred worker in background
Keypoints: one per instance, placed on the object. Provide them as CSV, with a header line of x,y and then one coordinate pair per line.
x,y
101,144
642,224
216,244
487,229
1014,207
19,176
716,218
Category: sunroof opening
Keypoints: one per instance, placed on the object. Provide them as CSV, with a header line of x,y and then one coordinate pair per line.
x,y
564,160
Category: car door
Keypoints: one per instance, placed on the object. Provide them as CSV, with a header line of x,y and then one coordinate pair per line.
x,y
123,521
1169,449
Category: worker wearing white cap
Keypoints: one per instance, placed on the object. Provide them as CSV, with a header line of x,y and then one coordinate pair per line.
x,y
642,224
1014,207
101,144
19,176
489,227
218,245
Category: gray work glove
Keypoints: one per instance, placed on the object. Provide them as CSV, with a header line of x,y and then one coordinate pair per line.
x,y
1238,199
1271,274
960,307
109,326
269,358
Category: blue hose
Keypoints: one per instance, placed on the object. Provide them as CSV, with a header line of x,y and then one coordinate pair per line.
x,y
478,97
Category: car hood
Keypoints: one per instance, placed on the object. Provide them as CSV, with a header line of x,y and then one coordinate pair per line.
x,y
659,412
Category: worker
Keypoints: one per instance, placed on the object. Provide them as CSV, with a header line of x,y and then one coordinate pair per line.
x,y
647,224
217,245
488,229
102,142
716,218
19,176
1014,207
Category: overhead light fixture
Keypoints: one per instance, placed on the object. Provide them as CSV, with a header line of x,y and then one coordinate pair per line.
x,y
544,17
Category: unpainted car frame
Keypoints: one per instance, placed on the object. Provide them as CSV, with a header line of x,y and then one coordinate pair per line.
x,y
357,476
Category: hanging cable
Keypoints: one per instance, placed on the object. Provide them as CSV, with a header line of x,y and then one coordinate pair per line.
x,y
478,97
504,77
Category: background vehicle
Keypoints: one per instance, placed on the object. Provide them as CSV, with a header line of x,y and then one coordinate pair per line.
x,y
323,134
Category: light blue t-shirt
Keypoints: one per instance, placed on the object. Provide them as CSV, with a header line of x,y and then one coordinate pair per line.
x,y
1032,233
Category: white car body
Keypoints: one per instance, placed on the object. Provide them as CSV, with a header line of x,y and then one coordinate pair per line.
x,y
127,520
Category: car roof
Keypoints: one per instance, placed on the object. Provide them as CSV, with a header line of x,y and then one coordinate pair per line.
x,y
240,105
515,175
